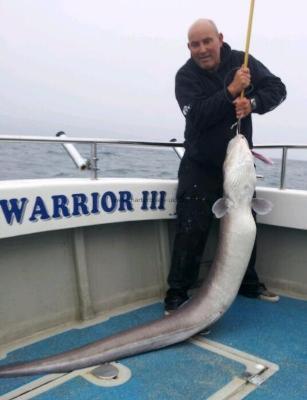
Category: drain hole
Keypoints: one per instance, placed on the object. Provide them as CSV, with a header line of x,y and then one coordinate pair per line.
x,y
109,374
106,371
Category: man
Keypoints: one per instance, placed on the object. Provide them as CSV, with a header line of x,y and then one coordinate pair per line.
x,y
208,89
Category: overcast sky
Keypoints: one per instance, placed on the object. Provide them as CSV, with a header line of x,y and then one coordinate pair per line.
x,y
106,68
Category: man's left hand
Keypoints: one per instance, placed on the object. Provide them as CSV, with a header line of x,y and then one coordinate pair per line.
x,y
243,107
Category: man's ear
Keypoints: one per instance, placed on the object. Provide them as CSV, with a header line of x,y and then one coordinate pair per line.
x,y
189,47
221,38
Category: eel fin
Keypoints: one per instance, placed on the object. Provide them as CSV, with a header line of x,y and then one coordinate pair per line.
x,y
220,207
263,158
262,206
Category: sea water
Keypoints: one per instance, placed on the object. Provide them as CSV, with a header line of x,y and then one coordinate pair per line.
x,y
44,160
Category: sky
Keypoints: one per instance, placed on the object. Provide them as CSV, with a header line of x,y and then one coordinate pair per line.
x,y
101,68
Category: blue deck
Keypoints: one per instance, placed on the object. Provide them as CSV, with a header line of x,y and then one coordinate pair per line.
x,y
275,332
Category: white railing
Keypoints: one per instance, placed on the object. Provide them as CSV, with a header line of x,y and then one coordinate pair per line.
x,y
92,163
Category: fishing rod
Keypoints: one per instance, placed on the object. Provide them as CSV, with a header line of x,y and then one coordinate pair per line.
x,y
247,44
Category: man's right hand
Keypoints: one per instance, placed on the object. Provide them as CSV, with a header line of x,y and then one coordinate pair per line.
x,y
241,81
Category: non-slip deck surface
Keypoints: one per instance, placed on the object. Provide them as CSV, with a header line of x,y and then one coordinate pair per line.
x,y
275,332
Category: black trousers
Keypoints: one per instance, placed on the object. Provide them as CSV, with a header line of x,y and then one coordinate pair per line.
x,y
198,188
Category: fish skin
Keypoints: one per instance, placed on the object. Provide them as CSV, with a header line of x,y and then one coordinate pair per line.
x,y
236,239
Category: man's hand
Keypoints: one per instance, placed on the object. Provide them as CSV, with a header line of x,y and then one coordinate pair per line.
x,y
243,107
241,81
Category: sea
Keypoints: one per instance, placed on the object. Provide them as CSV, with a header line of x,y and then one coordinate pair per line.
x,y
45,160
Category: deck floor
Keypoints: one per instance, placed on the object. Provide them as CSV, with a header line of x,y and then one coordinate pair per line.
x,y
275,332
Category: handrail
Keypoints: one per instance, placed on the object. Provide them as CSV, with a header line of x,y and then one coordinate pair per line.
x,y
172,144
51,139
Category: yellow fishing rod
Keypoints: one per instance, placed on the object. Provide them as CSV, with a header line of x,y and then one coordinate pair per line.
x,y
247,43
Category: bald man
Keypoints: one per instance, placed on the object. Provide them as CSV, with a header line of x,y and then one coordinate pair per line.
x,y
208,88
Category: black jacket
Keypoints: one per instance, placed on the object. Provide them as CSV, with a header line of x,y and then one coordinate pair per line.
x,y
207,105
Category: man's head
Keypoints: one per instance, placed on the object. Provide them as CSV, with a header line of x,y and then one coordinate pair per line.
x,y
204,43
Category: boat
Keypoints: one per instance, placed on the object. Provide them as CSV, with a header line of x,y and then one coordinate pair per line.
x,y
83,258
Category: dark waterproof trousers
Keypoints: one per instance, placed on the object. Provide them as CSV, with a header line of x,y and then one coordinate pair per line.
x,y
198,189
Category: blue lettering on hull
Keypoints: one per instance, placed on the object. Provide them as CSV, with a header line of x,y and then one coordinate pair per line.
x,y
61,206
13,208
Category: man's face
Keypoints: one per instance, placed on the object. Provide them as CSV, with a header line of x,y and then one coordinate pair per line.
x,y
205,46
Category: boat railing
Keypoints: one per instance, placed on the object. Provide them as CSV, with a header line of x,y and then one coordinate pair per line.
x,y
92,163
